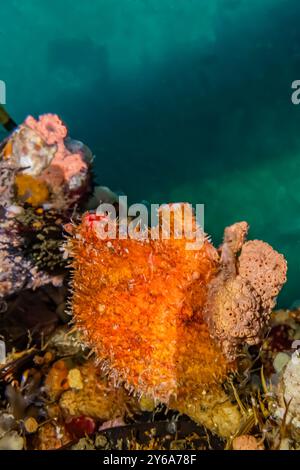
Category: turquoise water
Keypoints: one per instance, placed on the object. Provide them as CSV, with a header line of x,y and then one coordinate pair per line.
x,y
180,100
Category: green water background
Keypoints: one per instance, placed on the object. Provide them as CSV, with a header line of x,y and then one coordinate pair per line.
x,y
180,100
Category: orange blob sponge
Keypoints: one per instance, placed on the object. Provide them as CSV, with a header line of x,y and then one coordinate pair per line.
x,y
31,190
140,305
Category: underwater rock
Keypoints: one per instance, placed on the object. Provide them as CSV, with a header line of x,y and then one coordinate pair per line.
x,y
43,173
158,315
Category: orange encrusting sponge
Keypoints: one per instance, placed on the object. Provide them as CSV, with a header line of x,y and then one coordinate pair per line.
x,y
140,304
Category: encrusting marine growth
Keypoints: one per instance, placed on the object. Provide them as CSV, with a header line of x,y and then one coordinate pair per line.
x,y
43,173
140,304
169,322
